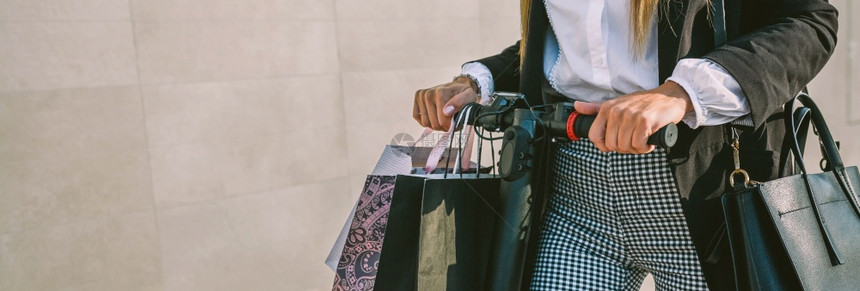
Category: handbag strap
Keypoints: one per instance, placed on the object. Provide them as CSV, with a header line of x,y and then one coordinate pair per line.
x,y
830,150
831,154
801,117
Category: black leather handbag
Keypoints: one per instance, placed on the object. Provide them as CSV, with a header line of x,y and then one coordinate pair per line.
x,y
800,232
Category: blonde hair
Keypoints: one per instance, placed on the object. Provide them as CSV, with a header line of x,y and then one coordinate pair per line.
x,y
525,10
641,13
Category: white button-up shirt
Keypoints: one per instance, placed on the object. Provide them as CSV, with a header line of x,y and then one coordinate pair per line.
x,y
589,57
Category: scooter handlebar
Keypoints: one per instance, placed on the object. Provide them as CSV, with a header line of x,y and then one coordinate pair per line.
x,y
578,126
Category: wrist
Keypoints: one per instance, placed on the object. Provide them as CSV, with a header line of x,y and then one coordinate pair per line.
x,y
675,90
471,81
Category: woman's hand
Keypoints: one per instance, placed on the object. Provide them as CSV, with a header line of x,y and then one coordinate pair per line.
x,y
624,124
435,106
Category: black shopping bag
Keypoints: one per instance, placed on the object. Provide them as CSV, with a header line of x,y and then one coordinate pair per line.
x,y
458,214
398,261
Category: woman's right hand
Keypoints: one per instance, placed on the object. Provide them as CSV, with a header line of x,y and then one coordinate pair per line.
x,y
435,106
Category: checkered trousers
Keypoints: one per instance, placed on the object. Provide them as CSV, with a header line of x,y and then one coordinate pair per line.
x,y
611,220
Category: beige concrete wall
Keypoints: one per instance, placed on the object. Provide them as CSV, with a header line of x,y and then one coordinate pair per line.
x,y
837,88
206,145
219,144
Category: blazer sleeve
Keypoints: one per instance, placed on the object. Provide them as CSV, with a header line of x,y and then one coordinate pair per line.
x,y
505,68
773,62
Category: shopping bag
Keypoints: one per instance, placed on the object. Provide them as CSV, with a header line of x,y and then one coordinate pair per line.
x,y
398,262
394,160
356,269
381,246
382,224
458,214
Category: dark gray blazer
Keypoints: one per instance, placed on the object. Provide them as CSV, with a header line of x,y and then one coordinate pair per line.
x,y
774,48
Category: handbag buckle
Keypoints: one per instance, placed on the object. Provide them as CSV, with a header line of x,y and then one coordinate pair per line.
x,y
747,181
738,171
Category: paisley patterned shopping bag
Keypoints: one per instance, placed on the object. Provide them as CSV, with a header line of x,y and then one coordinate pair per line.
x,y
359,260
381,249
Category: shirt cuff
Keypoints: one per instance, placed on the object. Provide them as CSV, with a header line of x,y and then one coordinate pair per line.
x,y
696,117
484,77
716,96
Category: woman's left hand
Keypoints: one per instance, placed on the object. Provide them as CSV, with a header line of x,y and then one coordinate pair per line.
x,y
624,124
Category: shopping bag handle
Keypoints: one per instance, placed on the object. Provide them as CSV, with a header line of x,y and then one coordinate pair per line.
x,y
462,153
437,150
436,153
446,140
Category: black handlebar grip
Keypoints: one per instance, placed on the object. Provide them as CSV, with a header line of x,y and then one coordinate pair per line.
x,y
665,137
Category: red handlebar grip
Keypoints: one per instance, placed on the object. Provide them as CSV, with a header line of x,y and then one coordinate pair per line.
x,y
571,134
